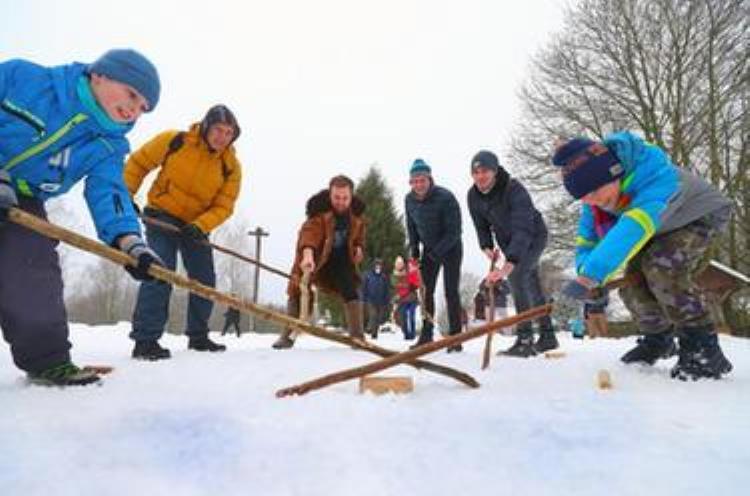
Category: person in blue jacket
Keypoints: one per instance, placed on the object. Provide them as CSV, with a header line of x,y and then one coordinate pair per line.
x,y
376,295
433,220
59,125
642,213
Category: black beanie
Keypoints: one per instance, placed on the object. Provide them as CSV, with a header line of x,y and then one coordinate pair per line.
x,y
485,159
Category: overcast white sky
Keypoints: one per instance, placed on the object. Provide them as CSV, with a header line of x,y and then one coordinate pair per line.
x,y
320,88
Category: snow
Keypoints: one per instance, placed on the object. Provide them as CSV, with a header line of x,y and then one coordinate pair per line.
x,y
210,424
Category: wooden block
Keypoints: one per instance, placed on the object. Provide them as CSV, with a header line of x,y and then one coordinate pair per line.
x,y
382,385
554,354
604,380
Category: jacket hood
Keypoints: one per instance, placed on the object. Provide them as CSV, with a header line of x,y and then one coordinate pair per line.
x,y
320,202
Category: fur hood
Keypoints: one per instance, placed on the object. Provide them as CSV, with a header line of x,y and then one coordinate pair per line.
x,y
320,202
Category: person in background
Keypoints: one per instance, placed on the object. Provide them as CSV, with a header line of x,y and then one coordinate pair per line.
x,y
406,286
376,295
232,319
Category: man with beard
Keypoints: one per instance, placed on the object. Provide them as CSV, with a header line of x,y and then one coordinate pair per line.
x,y
330,245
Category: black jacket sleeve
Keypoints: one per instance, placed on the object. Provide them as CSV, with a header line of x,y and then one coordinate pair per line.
x,y
521,222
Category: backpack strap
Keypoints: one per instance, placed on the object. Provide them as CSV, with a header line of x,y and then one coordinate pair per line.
x,y
174,144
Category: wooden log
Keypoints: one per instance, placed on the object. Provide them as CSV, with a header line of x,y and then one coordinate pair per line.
x,y
406,356
382,385
53,231
554,354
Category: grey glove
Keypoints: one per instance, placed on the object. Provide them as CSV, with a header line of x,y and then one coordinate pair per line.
x,y
144,256
570,300
8,196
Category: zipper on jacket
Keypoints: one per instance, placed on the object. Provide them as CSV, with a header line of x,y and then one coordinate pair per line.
x,y
43,145
25,116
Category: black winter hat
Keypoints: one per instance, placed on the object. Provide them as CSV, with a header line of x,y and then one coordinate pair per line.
x,y
586,166
219,114
485,159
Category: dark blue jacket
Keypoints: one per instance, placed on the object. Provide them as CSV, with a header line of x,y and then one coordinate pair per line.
x,y
434,221
507,210
375,288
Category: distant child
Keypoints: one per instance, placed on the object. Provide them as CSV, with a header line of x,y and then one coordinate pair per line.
x,y
59,125
405,284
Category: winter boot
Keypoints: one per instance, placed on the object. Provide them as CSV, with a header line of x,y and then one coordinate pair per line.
x,y
150,350
354,319
700,357
425,335
204,343
65,374
523,347
547,341
285,340
651,348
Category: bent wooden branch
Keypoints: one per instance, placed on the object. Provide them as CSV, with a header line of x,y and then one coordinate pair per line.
x,y
407,356
60,233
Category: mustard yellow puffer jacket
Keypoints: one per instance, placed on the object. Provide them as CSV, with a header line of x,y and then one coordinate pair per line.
x,y
192,184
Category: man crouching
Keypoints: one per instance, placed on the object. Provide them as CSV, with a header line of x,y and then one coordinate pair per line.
x,y
330,245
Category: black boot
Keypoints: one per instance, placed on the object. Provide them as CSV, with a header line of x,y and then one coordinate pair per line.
x,y
700,357
65,374
425,335
150,350
547,341
285,341
651,348
523,347
204,343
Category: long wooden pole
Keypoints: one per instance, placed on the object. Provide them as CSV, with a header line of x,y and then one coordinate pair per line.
x,y
407,356
490,312
60,233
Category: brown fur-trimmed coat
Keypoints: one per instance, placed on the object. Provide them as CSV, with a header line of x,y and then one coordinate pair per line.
x,y
317,233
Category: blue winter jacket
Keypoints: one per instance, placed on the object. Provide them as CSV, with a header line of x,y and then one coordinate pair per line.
x,y
53,134
434,221
655,197
375,288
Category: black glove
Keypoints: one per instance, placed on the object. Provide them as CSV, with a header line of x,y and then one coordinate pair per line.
x,y
144,256
193,233
8,196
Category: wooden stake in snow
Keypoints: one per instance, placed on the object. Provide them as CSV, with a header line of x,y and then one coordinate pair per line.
x,y
603,379
491,314
60,233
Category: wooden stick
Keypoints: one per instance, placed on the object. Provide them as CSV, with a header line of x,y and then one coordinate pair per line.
x,y
56,232
304,301
490,315
406,356
166,226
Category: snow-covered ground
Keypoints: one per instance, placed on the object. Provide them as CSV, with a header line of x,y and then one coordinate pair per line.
x,y
210,425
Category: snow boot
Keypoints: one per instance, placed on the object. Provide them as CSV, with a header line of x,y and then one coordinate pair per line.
x,y
285,340
700,357
65,374
353,310
547,341
150,350
651,348
523,347
204,343
425,335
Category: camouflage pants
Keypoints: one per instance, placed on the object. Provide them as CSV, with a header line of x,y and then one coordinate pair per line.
x,y
666,296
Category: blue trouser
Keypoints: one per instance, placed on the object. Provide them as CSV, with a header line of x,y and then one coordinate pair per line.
x,y
408,318
32,311
152,305
526,287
